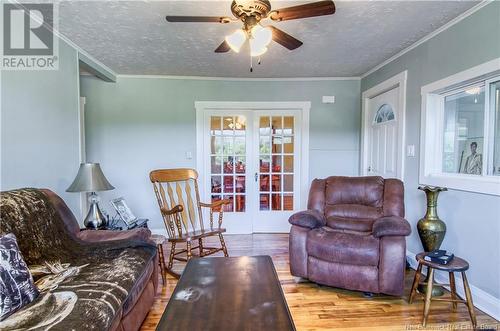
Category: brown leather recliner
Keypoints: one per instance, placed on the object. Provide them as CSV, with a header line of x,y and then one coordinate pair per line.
x,y
352,235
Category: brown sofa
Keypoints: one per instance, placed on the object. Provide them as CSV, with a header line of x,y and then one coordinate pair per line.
x,y
352,235
117,284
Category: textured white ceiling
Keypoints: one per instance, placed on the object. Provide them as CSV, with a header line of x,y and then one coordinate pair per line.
x,y
132,37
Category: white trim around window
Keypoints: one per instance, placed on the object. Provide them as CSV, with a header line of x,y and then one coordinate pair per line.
x,y
432,125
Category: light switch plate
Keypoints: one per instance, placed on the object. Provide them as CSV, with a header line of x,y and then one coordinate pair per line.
x,y
410,150
189,155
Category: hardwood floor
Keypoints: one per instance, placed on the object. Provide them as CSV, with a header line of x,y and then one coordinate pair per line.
x,y
316,307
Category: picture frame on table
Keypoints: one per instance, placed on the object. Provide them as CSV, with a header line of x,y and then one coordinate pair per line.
x,y
124,211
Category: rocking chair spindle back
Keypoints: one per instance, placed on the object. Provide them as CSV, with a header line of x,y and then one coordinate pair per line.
x,y
178,197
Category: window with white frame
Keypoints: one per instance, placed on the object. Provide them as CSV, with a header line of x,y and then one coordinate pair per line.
x,y
460,145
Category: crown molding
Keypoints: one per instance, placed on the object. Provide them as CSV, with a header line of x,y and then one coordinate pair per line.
x,y
429,36
241,78
84,53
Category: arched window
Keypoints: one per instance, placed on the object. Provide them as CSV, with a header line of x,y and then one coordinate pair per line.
x,y
384,114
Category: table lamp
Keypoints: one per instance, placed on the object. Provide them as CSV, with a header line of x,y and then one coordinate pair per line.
x,y
91,179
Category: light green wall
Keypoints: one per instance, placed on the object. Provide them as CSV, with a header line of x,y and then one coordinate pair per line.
x,y
473,220
39,127
139,124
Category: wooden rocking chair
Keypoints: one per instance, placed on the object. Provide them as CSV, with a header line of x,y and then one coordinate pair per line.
x,y
184,221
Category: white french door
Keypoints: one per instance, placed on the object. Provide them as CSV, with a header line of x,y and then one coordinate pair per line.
x,y
227,152
276,166
253,159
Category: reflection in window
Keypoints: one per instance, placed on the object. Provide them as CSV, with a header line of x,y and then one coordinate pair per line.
x,y
384,114
464,131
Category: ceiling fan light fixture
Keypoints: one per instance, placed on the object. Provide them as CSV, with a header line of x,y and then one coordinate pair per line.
x,y
262,35
236,39
256,48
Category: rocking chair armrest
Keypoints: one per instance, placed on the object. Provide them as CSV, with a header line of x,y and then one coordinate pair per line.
x,y
215,204
176,209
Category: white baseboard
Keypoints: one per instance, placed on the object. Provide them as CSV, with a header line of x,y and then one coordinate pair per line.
x,y
482,300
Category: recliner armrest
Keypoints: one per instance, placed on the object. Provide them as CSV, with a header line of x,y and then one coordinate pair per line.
x,y
391,226
308,219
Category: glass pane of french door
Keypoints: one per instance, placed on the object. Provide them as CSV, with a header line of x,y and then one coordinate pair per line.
x,y
276,162
228,164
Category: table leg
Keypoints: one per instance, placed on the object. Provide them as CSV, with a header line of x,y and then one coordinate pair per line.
x,y
453,290
468,298
428,295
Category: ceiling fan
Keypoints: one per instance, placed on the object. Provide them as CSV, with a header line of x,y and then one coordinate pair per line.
x,y
252,13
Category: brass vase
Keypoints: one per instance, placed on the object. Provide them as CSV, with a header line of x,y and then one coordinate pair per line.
x,y
431,229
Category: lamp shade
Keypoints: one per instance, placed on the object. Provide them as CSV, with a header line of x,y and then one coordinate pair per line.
x,y
236,40
89,179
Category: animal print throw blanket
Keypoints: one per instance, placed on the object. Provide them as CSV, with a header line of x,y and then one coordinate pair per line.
x,y
83,285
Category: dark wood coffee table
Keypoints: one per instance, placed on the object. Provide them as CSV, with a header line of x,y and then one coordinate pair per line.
x,y
228,293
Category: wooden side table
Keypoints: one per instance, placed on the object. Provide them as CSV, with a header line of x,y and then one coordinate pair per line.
x,y
159,240
456,265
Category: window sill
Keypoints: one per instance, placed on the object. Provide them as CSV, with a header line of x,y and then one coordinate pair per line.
x,y
470,183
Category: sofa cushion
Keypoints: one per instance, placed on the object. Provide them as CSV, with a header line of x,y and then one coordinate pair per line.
x,y
16,283
140,284
367,191
352,211
354,197
343,247
352,277
350,224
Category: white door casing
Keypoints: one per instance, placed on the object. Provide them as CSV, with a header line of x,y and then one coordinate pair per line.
x,y
82,152
382,137
253,219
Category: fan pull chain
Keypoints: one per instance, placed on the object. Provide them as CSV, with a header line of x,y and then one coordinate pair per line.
x,y
251,63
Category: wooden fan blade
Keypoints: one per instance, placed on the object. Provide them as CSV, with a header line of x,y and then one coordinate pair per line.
x,y
285,39
202,19
223,48
302,11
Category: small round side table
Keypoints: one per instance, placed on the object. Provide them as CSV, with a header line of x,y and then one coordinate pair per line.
x,y
456,265
159,240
